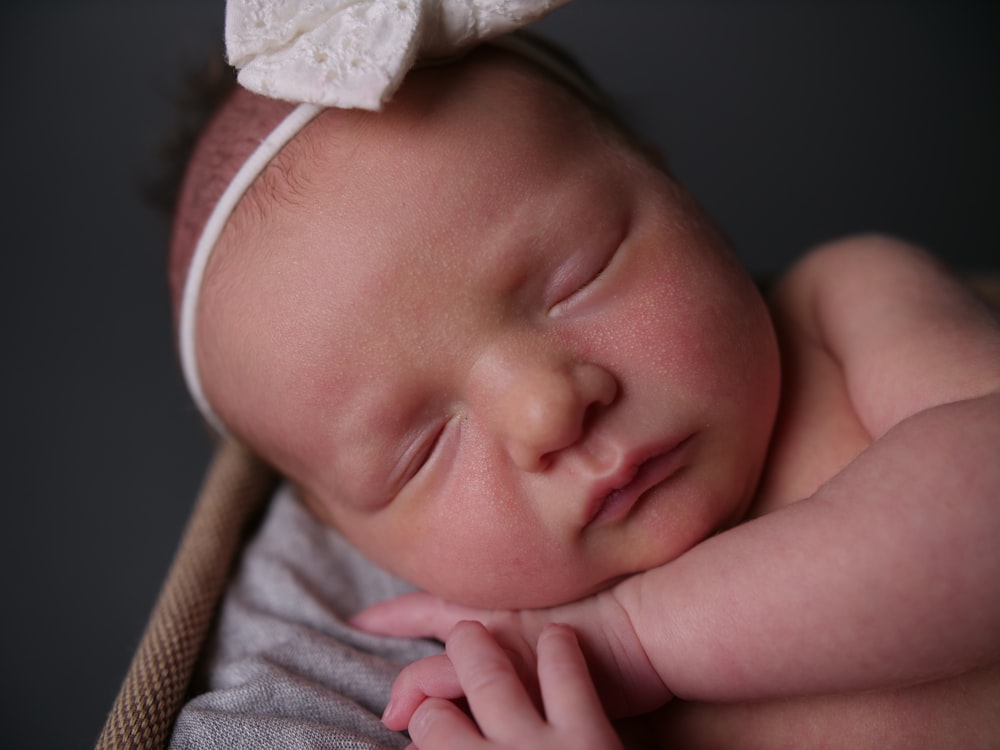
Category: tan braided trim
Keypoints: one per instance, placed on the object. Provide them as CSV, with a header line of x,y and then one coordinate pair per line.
x,y
155,687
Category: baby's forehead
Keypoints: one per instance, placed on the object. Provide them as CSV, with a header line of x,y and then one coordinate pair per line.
x,y
439,112
440,94
434,116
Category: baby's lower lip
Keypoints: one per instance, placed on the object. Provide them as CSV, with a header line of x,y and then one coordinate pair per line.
x,y
654,470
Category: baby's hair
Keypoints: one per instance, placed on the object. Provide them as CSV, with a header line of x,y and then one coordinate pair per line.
x,y
199,94
596,96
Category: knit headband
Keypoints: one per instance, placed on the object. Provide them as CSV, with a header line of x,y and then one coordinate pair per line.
x,y
345,55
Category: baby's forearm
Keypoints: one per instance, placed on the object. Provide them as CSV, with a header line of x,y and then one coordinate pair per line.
x,y
960,712
887,576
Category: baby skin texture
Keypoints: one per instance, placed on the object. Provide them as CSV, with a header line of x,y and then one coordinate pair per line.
x,y
499,347
856,606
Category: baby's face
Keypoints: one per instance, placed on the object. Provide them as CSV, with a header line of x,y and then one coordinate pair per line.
x,y
494,345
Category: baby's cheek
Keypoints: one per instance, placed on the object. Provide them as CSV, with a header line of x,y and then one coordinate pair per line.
x,y
484,554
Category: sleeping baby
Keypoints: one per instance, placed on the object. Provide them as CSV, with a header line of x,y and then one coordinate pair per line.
x,y
489,339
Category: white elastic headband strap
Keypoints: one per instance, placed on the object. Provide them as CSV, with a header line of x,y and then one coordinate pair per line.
x,y
252,167
287,129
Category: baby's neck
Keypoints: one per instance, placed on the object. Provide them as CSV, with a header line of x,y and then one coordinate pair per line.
x,y
817,432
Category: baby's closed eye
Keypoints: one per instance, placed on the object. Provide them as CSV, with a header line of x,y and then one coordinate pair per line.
x,y
432,445
420,451
574,278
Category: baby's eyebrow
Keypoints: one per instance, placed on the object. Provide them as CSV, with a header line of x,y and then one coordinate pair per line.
x,y
283,182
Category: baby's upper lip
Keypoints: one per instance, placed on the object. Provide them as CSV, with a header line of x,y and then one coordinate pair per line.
x,y
625,473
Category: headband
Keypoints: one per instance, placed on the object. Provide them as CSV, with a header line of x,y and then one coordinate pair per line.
x,y
344,55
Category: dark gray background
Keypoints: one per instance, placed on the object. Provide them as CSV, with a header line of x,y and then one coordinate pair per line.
x,y
793,121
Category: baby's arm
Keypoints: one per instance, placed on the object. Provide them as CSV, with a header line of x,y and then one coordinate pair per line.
x,y
887,575
958,712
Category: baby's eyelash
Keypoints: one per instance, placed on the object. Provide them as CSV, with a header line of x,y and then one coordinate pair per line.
x,y
600,271
423,452
565,299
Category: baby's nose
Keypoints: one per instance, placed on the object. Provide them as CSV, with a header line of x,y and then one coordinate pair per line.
x,y
548,407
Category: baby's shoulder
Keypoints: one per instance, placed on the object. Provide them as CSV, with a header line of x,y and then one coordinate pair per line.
x,y
856,277
871,330
907,332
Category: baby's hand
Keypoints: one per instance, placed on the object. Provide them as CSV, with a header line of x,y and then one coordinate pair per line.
x,y
505,714
625,679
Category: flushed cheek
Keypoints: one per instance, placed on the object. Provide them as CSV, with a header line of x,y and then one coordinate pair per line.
x,y
707,341
513,576
492,547
488,550
667,345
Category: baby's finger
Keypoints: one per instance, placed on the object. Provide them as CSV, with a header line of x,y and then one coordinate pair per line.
x,y
431,677
568,692
497,698
441,725
414,615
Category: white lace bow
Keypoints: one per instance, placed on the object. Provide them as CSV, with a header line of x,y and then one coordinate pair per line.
x,y
354,54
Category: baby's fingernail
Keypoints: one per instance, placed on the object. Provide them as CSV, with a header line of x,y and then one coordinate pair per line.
x,y
389,722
